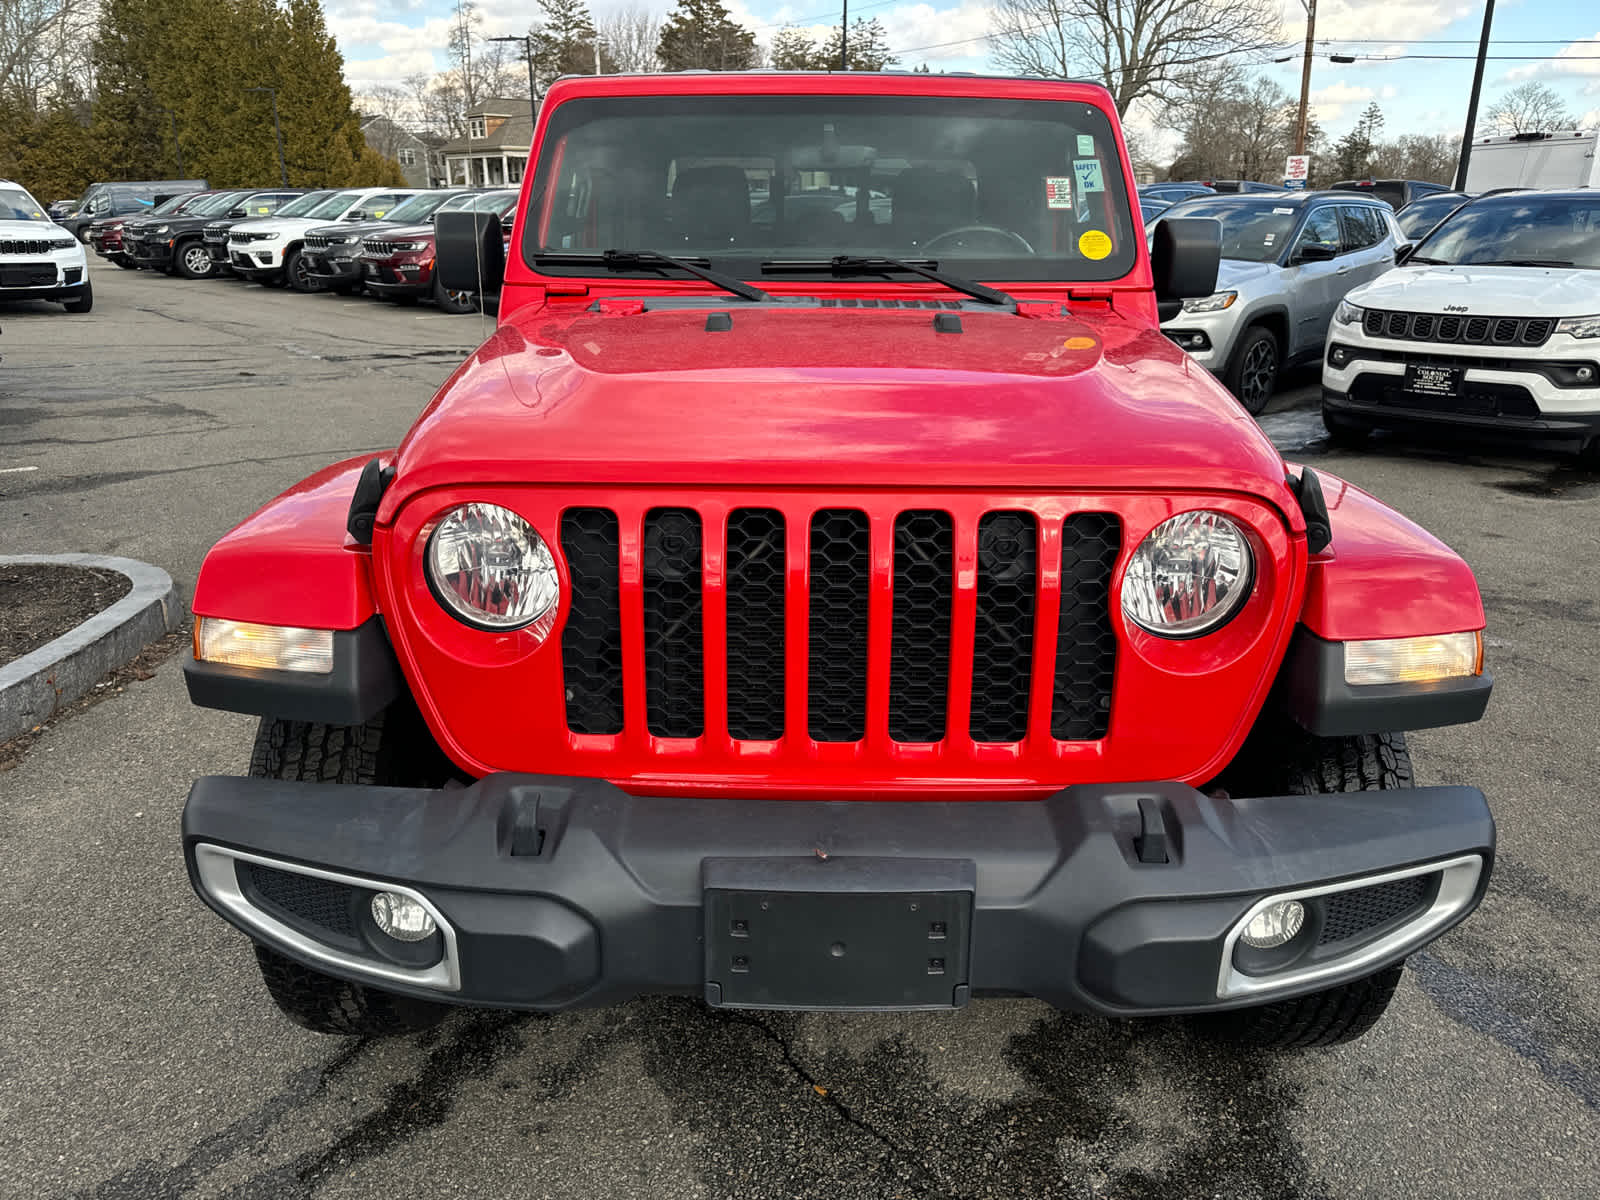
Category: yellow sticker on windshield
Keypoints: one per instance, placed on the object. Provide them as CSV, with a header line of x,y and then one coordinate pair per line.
x,y
1094,244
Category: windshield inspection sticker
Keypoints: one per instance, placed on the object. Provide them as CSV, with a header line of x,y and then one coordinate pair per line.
x,y
1085,145
1269,239
1090,178
1094,244
1058,191
1283,212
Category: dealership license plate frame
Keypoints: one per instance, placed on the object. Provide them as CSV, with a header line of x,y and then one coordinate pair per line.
x,y
1425,379
838,934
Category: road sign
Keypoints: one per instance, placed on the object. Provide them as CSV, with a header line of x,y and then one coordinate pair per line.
x,y
1294,185
1299,167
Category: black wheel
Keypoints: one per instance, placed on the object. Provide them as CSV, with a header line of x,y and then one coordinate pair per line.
x,y
82,302
1280,759
393,748
193,261
453,302
1252,373
294,270
1344,431
127,264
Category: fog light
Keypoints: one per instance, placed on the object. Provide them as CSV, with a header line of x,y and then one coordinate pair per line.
x,y
404,919
1585,374
1413,659
1273,926
1339,356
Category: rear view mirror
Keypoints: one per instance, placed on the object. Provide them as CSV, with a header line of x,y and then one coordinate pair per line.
x,y
1185,253
468,253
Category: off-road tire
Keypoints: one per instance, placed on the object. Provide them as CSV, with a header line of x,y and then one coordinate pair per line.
x,y
184,257
1343,431
1252,374
394,748
1281,759
324,1004
453,302
295,273
82,302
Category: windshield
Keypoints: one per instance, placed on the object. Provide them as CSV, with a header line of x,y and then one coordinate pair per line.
x,y
183,202
331,206
492,201
418,208
302,206
1252,230
208,205
1416,218
1013,189
17,205
1523,229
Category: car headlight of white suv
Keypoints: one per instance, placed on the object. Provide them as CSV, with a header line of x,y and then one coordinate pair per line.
x,y
1348,314
1215,302
1580,327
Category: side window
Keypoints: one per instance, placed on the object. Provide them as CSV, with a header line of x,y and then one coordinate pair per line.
x,y
1363,227
376,206
1321,228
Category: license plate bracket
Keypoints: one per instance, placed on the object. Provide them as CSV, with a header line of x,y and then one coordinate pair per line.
x,y
1423,379
851,934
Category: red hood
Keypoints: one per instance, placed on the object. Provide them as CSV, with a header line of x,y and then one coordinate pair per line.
x,y
831,396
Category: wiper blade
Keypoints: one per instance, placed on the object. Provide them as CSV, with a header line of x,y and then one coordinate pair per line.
x,y
621,260
1524,262
852,264
1427,262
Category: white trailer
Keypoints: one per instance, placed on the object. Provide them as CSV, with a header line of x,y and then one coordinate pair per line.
x,y
1535,160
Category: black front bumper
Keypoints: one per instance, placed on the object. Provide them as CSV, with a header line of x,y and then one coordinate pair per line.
x,y
331,270
557,892
154,254
1546,431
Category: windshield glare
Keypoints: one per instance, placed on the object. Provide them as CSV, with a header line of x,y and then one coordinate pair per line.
x,y
492,201
302,206
1012,189
417,208
208,205
334,205
1555,229
17,205
1254,231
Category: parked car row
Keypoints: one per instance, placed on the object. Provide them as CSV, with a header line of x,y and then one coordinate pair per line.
x,y
1490,318
378,240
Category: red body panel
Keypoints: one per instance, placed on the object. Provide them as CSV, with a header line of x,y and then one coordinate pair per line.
x,y
1384,576
292,563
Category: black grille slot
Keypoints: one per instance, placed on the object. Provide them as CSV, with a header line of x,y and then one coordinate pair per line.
x,y
1477,329
1002,644
755,588
919,662
1353,913
1505,331
1535,332
1086,649
1449,329
591,643
320,903
836,709
1398,325
1422,326
674,670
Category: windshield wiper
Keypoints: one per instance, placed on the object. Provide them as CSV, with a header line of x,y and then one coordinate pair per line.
x,y
1524,262
852,264
1427,262
621,260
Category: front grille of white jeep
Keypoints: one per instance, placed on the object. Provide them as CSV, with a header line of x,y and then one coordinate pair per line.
x,y
1472,331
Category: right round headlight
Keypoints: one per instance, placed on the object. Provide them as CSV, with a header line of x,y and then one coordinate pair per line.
x,y
491,569
1188,576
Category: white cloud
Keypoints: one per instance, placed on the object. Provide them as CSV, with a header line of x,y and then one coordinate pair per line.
x,y
1389,92
912,25
1576,58
1328,103
1343,19
1590,119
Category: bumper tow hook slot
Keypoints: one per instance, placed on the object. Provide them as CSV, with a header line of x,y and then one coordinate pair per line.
x,y
1151,844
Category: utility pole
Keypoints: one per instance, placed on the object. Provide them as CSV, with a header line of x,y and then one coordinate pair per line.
x,y
844,36
1472,104
527,52
277,130
1305,77
597,56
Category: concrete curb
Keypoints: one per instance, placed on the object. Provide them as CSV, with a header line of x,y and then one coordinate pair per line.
x,y
35,686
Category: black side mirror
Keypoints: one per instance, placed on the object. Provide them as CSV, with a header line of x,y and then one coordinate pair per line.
x,y
1401,253
1316,252
237,212
1185,253
356,214
468,253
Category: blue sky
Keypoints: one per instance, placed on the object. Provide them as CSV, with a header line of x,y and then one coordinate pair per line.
x,y
385,40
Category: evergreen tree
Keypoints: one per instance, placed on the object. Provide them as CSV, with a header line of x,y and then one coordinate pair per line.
x,y
126,124
699,35
867,49
792,50
564,42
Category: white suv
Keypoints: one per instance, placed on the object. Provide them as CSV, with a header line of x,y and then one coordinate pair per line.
x,y
1492,322
268,251
38,259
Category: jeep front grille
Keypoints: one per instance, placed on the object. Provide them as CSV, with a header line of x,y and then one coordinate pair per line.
x,y
1476,331
954,637
34,246
378,248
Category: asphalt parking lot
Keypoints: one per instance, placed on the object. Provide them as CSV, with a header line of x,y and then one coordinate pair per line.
x,y
141,1057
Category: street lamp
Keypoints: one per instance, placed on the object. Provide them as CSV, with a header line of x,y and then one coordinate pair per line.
x,y
527,50
283,171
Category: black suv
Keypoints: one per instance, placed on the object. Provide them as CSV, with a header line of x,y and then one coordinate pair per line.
x,y
330,250
177,244
215,234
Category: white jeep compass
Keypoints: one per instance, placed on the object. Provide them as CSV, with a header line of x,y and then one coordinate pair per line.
x,y
1491,322
39,260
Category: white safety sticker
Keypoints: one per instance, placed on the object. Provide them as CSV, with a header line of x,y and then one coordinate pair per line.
x,y
1090,176
1085,145
1283,212
1058,191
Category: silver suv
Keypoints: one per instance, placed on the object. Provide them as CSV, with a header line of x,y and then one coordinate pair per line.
x,y
1287,261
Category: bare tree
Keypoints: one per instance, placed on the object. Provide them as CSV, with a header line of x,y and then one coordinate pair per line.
x,y
1528,108
630,35
44,50
1137,48
1236,127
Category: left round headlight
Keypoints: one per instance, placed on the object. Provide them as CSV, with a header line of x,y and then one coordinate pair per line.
x,y
1188,576
491,569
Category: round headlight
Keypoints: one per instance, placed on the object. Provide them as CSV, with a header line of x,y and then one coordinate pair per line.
x,y
1189,576
491,569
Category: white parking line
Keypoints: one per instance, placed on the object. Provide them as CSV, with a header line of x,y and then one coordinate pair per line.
x,y
16,470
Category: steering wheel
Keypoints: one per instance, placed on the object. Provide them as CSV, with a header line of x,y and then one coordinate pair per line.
x,y
958,238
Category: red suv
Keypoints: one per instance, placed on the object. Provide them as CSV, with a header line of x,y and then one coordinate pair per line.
x,y
859,607
397,264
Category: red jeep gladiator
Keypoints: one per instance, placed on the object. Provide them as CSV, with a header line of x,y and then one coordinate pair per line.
x,y
770,611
